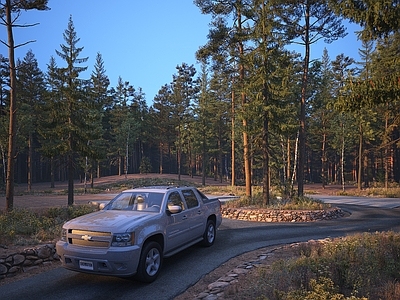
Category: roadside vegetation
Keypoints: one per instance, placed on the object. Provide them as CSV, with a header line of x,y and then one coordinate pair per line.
x,y
361,266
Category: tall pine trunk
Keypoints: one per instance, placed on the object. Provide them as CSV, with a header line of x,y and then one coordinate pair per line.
x,y
360,160
233,138
302,129
246,150
13,113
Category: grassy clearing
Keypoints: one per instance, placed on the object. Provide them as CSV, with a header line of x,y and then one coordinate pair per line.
x,y
362,266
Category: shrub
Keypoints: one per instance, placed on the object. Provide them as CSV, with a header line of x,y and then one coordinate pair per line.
x,y
354,267
23,227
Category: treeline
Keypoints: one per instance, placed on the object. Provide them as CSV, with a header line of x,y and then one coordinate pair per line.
x,y
256,113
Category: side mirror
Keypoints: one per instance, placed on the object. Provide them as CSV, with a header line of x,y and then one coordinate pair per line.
x,y
174,209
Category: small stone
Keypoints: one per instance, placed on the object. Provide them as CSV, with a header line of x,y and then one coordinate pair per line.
x,y
217,285
202,295
30,252
14,269
3,269
27,262
18,259
28,269
45,252
240,271
226,279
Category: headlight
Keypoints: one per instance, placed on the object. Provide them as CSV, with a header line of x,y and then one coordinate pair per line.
x,y
64,234
123,239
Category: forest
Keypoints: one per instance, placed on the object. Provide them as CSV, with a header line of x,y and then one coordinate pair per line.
x,y
256,113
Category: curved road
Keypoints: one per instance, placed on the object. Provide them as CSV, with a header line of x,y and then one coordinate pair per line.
x,y
186,268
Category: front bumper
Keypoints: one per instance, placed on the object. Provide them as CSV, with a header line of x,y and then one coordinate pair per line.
x,y
115,261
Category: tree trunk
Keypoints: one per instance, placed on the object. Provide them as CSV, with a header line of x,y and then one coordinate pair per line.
x,y
233,137
13,113
323,160
29,164
70,180
265,146
302,129
342,161
386,152
161,158
52,175
360,161
246,152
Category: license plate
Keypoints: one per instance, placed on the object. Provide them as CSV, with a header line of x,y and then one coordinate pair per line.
x,y
86,265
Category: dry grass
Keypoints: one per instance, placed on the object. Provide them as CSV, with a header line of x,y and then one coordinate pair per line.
x,y
363,266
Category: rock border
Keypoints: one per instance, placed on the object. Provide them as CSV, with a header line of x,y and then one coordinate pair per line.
x,y
275,215
27,260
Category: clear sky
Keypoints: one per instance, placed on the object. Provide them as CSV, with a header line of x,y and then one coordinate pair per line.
x,y
141,41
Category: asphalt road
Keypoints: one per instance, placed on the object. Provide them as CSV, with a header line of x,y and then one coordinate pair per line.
x,y
186,268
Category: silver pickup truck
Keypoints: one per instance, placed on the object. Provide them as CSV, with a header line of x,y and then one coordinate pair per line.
x,y
137,229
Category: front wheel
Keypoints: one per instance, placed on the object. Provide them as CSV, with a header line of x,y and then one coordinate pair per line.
x,y
150,262
209,234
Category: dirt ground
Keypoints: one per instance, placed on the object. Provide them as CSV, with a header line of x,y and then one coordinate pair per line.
x,y
37,199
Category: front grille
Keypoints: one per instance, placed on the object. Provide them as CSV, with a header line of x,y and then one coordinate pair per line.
x,y
89,238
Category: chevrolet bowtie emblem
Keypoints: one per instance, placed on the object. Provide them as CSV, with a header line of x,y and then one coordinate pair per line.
x,y
86,237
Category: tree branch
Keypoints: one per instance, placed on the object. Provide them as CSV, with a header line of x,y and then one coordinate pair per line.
x,y
23,44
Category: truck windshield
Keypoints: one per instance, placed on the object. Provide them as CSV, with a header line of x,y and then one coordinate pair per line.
x,y
137,201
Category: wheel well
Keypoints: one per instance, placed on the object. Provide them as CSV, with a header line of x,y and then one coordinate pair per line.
x,y
156,238
212,218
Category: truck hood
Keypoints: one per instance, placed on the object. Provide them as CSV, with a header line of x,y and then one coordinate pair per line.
x,y
109,220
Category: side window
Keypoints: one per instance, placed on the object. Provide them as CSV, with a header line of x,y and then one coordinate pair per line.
x,y
175,199
190,198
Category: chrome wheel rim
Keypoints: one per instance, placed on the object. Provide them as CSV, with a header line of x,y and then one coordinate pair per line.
x,y
153,260
210,233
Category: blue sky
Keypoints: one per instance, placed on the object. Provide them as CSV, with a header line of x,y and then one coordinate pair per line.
x,y
141,41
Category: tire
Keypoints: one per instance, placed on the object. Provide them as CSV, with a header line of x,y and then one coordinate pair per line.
x,y
150,262
209,234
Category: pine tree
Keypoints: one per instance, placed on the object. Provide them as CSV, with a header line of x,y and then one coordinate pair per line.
x,y
268,63
74,111
6,11
386,90
228,43
184,90
378,18
100,94
31,90
4,84
313,20
161,115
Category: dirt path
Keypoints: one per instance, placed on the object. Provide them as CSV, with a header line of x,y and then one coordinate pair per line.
x,y
42,196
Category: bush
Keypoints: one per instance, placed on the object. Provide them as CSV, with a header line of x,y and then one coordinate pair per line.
x,y
145,165
25,227
355,267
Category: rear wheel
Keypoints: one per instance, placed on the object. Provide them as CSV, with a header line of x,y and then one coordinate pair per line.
x,y
209,234
150,262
